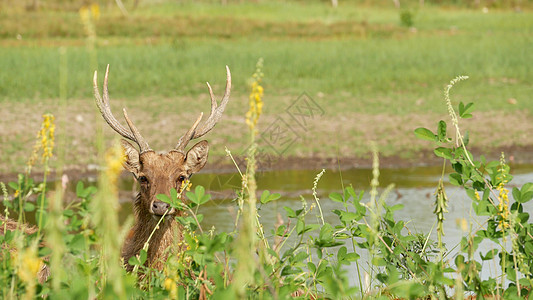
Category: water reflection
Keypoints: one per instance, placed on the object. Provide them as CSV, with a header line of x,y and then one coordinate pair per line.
x,y
414,188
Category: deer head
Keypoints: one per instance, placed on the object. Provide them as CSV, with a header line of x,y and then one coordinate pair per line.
x,y
158,173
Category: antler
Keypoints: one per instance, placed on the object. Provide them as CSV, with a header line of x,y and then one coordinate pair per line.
x,y
103,105
216,114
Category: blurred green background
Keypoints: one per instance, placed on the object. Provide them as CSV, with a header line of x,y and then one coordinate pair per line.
x,y
376,68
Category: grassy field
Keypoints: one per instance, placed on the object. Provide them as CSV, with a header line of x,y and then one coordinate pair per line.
x,y
370,74
372,78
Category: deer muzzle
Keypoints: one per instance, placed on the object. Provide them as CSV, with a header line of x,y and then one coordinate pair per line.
x,y
159,208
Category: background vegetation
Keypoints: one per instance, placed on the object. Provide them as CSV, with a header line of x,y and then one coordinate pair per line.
x,y
365,61
377,70
365,254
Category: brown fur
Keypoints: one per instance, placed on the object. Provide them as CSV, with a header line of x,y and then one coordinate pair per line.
x,y
162,172
158,174
11,225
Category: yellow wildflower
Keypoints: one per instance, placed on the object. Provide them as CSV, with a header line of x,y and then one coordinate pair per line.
x,y
503,205
114,158
95,11
256,96
27,264
462,223
170,285
89,14
47,136
84,14
186,186
45,141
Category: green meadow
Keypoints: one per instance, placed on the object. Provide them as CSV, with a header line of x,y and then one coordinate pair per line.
x,y
358,62
380,79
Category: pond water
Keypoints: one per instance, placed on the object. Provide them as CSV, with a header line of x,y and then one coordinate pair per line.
x,y
414,188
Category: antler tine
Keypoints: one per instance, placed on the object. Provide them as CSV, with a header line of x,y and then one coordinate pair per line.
x,y
216,111
216,114
213,100
105,111
184,140
143,145
103,105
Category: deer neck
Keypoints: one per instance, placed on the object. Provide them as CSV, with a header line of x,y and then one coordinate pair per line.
x,y
160,244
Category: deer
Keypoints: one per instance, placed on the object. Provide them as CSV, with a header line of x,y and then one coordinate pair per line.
x,y
7,224
158,173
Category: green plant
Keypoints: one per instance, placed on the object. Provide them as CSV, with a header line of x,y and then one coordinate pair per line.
x,y
406,18
303,257
485,183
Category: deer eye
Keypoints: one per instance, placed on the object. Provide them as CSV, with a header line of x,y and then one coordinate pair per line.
x,y
143,179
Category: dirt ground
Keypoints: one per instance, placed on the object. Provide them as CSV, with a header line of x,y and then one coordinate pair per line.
x,y
329,140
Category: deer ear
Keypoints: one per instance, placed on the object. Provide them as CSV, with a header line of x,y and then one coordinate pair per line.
x,y
196,157
132,162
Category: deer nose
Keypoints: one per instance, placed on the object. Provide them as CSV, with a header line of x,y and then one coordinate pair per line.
x,y
159,208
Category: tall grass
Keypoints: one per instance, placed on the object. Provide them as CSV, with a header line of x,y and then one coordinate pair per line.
x,y
370,71
299,258
380,61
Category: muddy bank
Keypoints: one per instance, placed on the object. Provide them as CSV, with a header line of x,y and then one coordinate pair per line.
x,y
515,155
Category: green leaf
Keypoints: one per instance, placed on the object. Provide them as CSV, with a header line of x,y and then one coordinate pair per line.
x,y
68,213
456,179
198,197
516,194
280,231
379,261
164,198
396,207
443,152
341,253
425,134
79,189
200,218
326,233
312,267
490,254
300,226
441,131
142,256
274,196
77,244
264,197
28,206
348,216
336,197
273,253
352,256
192,197
173,194
526,193
466,138
524,282
528,187
13,185
267,197
44,251
526,197
299,257
134,261
290,212
464,110
528,246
